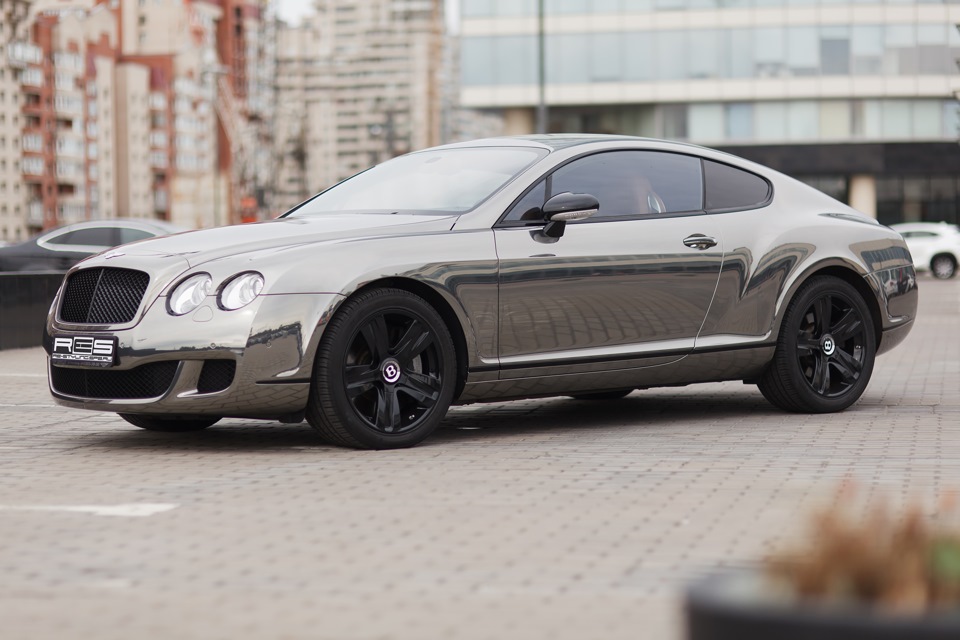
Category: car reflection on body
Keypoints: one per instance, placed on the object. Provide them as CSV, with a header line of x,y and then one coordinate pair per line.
x,y
935,246
498,269
61,248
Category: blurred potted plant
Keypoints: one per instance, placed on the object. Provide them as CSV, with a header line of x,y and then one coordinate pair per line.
x,y
877,577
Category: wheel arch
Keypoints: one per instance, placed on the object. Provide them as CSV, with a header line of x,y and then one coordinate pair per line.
x,y
440,304
844,272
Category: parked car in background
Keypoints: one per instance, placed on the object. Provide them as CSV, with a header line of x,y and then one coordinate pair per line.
x,y
61,248
935,246
489,270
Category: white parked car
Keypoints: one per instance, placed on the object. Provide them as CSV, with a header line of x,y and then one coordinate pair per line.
x,y
935,246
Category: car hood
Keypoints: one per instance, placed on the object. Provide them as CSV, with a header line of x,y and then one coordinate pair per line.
x,y
199,247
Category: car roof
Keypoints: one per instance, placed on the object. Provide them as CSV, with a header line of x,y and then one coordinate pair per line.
x,y
558,141
142,223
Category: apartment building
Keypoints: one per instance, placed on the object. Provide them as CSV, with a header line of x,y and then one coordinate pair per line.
x,y
15,56
357,83
134,108
857,97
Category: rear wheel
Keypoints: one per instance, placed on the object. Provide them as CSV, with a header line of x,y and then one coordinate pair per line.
x,y
825,351
943,266
385,372
169,424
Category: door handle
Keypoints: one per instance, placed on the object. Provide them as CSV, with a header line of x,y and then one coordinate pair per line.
x,y
700,241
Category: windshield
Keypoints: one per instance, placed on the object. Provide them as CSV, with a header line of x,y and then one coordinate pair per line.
x,y
438,181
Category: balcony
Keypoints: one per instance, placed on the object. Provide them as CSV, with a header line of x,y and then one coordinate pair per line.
x,y
31,78
161,201
70,146
32,166
158,160
70,172
32,142
72,212
69,62
68,104
158,101
21,54
159,139
35,213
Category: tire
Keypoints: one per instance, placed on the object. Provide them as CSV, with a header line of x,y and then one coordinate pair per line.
x,y
169,424
385,372
604,395
825,352
943,266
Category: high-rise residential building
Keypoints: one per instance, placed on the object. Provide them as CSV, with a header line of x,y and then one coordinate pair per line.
x,y
134,108
209,106
357,83
18,65
853,96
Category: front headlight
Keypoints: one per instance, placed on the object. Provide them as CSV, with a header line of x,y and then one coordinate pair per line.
x,y
241,290
189,294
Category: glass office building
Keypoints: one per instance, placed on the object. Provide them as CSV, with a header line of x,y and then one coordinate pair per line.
x,y
857,98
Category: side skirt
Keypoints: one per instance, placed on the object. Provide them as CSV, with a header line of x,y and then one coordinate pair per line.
x,y
713,366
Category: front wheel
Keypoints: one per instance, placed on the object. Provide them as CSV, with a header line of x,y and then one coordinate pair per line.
x,y
825,351
385,372
169,424
943,267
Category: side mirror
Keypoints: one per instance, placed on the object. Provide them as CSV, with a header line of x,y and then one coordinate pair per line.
x,y
567,207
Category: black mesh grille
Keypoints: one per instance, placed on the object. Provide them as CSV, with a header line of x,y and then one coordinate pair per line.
x,y
103,296
216,375
146,381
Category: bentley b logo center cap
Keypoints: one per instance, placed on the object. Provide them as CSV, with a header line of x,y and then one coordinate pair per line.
x,y
390,370
828,345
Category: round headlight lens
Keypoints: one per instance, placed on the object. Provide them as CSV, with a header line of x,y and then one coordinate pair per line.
x,y
241,291
189,294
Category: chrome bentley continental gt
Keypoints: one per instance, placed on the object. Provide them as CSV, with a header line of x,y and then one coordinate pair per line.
x,y
498,269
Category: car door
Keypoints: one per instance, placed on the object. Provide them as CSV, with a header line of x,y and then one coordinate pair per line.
x,y
629,287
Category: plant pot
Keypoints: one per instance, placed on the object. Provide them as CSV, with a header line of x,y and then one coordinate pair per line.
x,y
745,605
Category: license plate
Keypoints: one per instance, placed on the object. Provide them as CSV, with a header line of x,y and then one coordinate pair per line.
x,y
88,351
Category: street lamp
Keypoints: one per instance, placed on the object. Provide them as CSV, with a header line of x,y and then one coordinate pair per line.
x,y
541,71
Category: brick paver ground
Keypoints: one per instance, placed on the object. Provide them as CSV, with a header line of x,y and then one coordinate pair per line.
x,y
537,519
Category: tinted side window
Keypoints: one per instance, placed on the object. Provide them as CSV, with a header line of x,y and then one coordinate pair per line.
x,y
100,237
627,183
131,235
731,188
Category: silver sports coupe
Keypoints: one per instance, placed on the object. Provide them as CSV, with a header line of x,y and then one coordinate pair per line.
x,y
506,268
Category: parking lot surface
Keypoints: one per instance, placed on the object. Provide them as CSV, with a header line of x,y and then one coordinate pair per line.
x,y
549,518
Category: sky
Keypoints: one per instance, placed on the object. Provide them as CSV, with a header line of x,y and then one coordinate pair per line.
x,y
292,10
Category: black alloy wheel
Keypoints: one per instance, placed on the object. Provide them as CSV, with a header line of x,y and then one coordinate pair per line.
x,y
171,423
825,351
385,372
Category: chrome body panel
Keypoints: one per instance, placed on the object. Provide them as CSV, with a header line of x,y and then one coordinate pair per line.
x,y
605,292
611,304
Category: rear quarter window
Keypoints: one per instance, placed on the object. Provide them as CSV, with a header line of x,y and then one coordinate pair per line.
x,y
729,189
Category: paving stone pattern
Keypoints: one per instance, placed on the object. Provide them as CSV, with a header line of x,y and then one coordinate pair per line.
x,y
537,519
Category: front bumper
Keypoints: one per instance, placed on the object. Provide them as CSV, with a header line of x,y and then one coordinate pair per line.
x,y
271,341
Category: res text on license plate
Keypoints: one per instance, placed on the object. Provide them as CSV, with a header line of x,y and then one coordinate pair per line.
x,y
84,350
